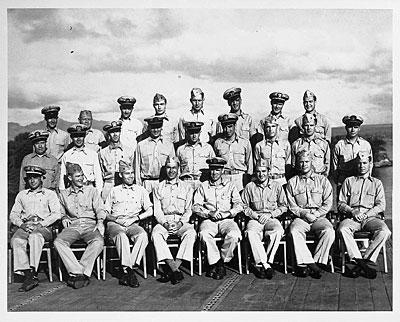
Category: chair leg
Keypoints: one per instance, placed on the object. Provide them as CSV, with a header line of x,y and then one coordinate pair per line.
x,y
384,258
144,262
246,255
59,268
343,254
239,249
155,264
191,267
48,251
10,266
104,262
284,257
331,263
98,267
200,258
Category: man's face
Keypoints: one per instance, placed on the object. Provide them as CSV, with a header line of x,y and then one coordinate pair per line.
x,y
228,130
76,179
309,104
235,104
40,147
276,107
159,107
352,130
155,132
193,137
309,128
78,141
127,177
216,174
115,136
197,102
261,173
304,165
363,166
172,170
52,122
126,111
86,121
34,181
270,130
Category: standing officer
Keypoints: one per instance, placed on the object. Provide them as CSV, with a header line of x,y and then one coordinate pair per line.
x,y
151,154
58,140
86,158
318,147
217,201
172,209
94,137
322,128
236,151
111,155
264,201
126,205
310,199
82,213
362,199
193,154
33,212
131,127
198,114
245,127
276,153
41,158
284,123
346,150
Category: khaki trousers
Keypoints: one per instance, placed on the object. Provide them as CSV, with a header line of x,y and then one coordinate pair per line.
x,y
374,225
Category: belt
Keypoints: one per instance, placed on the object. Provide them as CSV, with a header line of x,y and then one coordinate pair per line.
x,y
276,176
228,171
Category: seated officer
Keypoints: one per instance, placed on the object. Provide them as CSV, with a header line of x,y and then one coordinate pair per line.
x,y
264,200
42,159
318,147
82,217
86,158
34,210
172,208
126,205
218,202
362,199
236,151
310,199
193,154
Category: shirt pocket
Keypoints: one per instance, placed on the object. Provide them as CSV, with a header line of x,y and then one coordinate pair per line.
x,y
60,141
316,195
300,197
245,131
239,157
369,198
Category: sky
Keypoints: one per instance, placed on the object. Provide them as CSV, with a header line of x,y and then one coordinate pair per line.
x,y
87,58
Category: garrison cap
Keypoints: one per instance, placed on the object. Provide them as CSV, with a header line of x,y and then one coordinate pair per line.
x,y
232,93
159,97
362,156
303,154
126,101
38,135
34,169
114,126
216,162
155,121
50,111
309,94
172,161
77,130
125,166
277,96
72,167
196,91
85,113
270,120
353,119
193,126
262,163
308,118
228,118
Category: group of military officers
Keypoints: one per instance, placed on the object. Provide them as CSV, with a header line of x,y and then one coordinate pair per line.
x,y
198,167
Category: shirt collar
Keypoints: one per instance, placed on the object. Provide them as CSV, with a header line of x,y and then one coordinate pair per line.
x,y
46,154
266,183
81,149
276,116
194,112
72,190
115,146
309,139
356,141
55,129
172,182
197,143
40,190
312,175
123,120
125,186
160,138
221,182
365,176
89,130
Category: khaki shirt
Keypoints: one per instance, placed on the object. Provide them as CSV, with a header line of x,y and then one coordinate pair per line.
x,y
237,153
45,161
169,128
83,203
57,143
276,153
313,193
363,193
93,138
207,130
109,159
42,205
264,197
320,153
322,128
192,158
284,125
245,126
130,129
173,201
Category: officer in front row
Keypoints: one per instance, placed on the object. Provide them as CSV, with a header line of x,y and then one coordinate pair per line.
x,y
82,217
310,199
217,201
362,200
126,205
33,212
264,201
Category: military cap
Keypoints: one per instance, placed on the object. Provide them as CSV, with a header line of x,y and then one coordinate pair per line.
x,y
308,118
77,130
126,101
50,111
186,175
309,94
216,162
303,154
114,126
38,135
34,169
155,121
172,161
72,167
270,120
193,126
262,163
85,113
232,93
277,96
159,97
364,156
228,118
196,91
124,166
353,119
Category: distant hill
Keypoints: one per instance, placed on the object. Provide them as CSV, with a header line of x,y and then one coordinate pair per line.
x,y
385,130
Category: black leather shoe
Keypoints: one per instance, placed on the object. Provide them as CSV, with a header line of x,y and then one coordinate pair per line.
x,y
80,281
365,266
259,273
221,270
176,277
315,271
301,271
30,281
124,279
269,273
212,271
132,279
352,270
